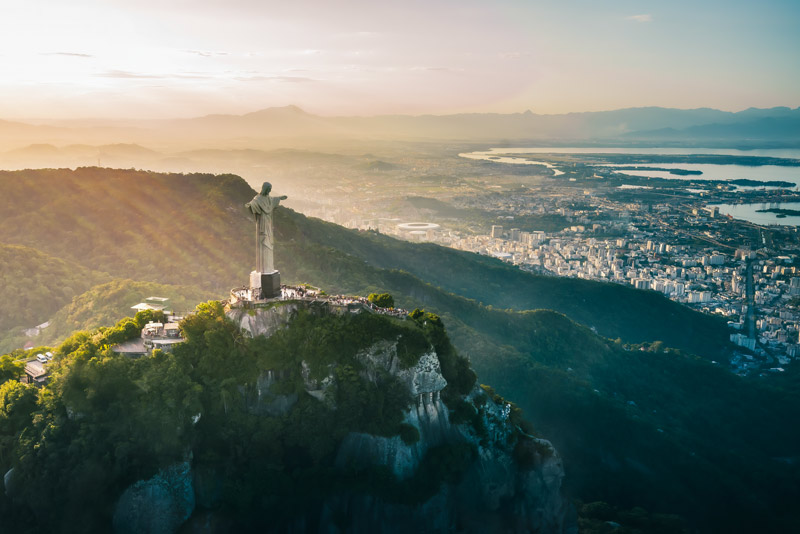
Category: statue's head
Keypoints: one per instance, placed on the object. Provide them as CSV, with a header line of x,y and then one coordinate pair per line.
x,y
266,188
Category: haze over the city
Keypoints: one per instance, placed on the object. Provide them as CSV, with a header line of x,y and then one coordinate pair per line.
x,y
148,59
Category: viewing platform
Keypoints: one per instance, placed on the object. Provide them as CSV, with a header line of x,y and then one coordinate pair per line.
x,y
242,298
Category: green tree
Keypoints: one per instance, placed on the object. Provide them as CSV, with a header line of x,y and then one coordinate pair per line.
x,y
17,403
382,300
10,369
145,316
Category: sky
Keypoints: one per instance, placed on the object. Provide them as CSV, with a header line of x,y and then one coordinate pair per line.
x,y
183,58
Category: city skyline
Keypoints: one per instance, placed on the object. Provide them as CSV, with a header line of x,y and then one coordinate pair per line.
x,y
157,60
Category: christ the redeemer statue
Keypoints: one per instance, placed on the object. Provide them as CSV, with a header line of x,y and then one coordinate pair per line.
x,y
265,281
262,206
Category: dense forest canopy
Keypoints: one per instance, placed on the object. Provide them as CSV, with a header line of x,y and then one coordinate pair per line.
x,y
34,284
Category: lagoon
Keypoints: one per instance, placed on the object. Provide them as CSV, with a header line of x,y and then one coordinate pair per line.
x,y
764,152
748,212
766,173
497,158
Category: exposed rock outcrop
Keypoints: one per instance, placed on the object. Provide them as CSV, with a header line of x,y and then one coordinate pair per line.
x,y
264,321
158,505
8,482
495,494
268,402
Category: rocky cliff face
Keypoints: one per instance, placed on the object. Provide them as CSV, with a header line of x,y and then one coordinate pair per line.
x,y
428,415
495,493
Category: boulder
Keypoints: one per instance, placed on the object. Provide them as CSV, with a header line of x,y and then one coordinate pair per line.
x,y
159,505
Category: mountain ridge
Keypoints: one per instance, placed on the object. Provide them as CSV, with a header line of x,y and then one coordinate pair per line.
x,y
291,123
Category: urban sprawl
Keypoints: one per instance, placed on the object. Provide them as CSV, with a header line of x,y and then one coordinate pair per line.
x,y
678,251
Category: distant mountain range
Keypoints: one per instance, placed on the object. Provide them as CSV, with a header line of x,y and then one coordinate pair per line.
x,y
763,129
291,126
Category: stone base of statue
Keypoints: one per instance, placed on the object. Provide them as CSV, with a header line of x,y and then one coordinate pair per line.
x,y
269,284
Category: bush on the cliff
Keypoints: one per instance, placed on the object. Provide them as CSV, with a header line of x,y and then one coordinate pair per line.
x,y
465,412
382,300
364,406
455,368
409,434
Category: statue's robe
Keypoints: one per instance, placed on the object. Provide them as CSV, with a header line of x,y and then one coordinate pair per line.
x,y
262,206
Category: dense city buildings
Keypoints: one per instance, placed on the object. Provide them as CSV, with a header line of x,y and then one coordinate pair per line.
x,y
699,276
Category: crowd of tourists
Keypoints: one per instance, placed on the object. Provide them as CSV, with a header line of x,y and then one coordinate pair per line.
x,y
305,293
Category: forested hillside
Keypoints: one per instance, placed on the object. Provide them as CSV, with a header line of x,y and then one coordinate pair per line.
x,y
104,304
33,285
141,225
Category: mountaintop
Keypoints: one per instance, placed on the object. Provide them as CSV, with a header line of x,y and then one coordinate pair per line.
x,y
326,419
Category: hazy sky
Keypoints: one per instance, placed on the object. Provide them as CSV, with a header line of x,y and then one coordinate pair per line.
x,y
169,58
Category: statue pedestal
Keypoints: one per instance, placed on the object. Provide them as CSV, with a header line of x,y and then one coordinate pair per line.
x,y
268,283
